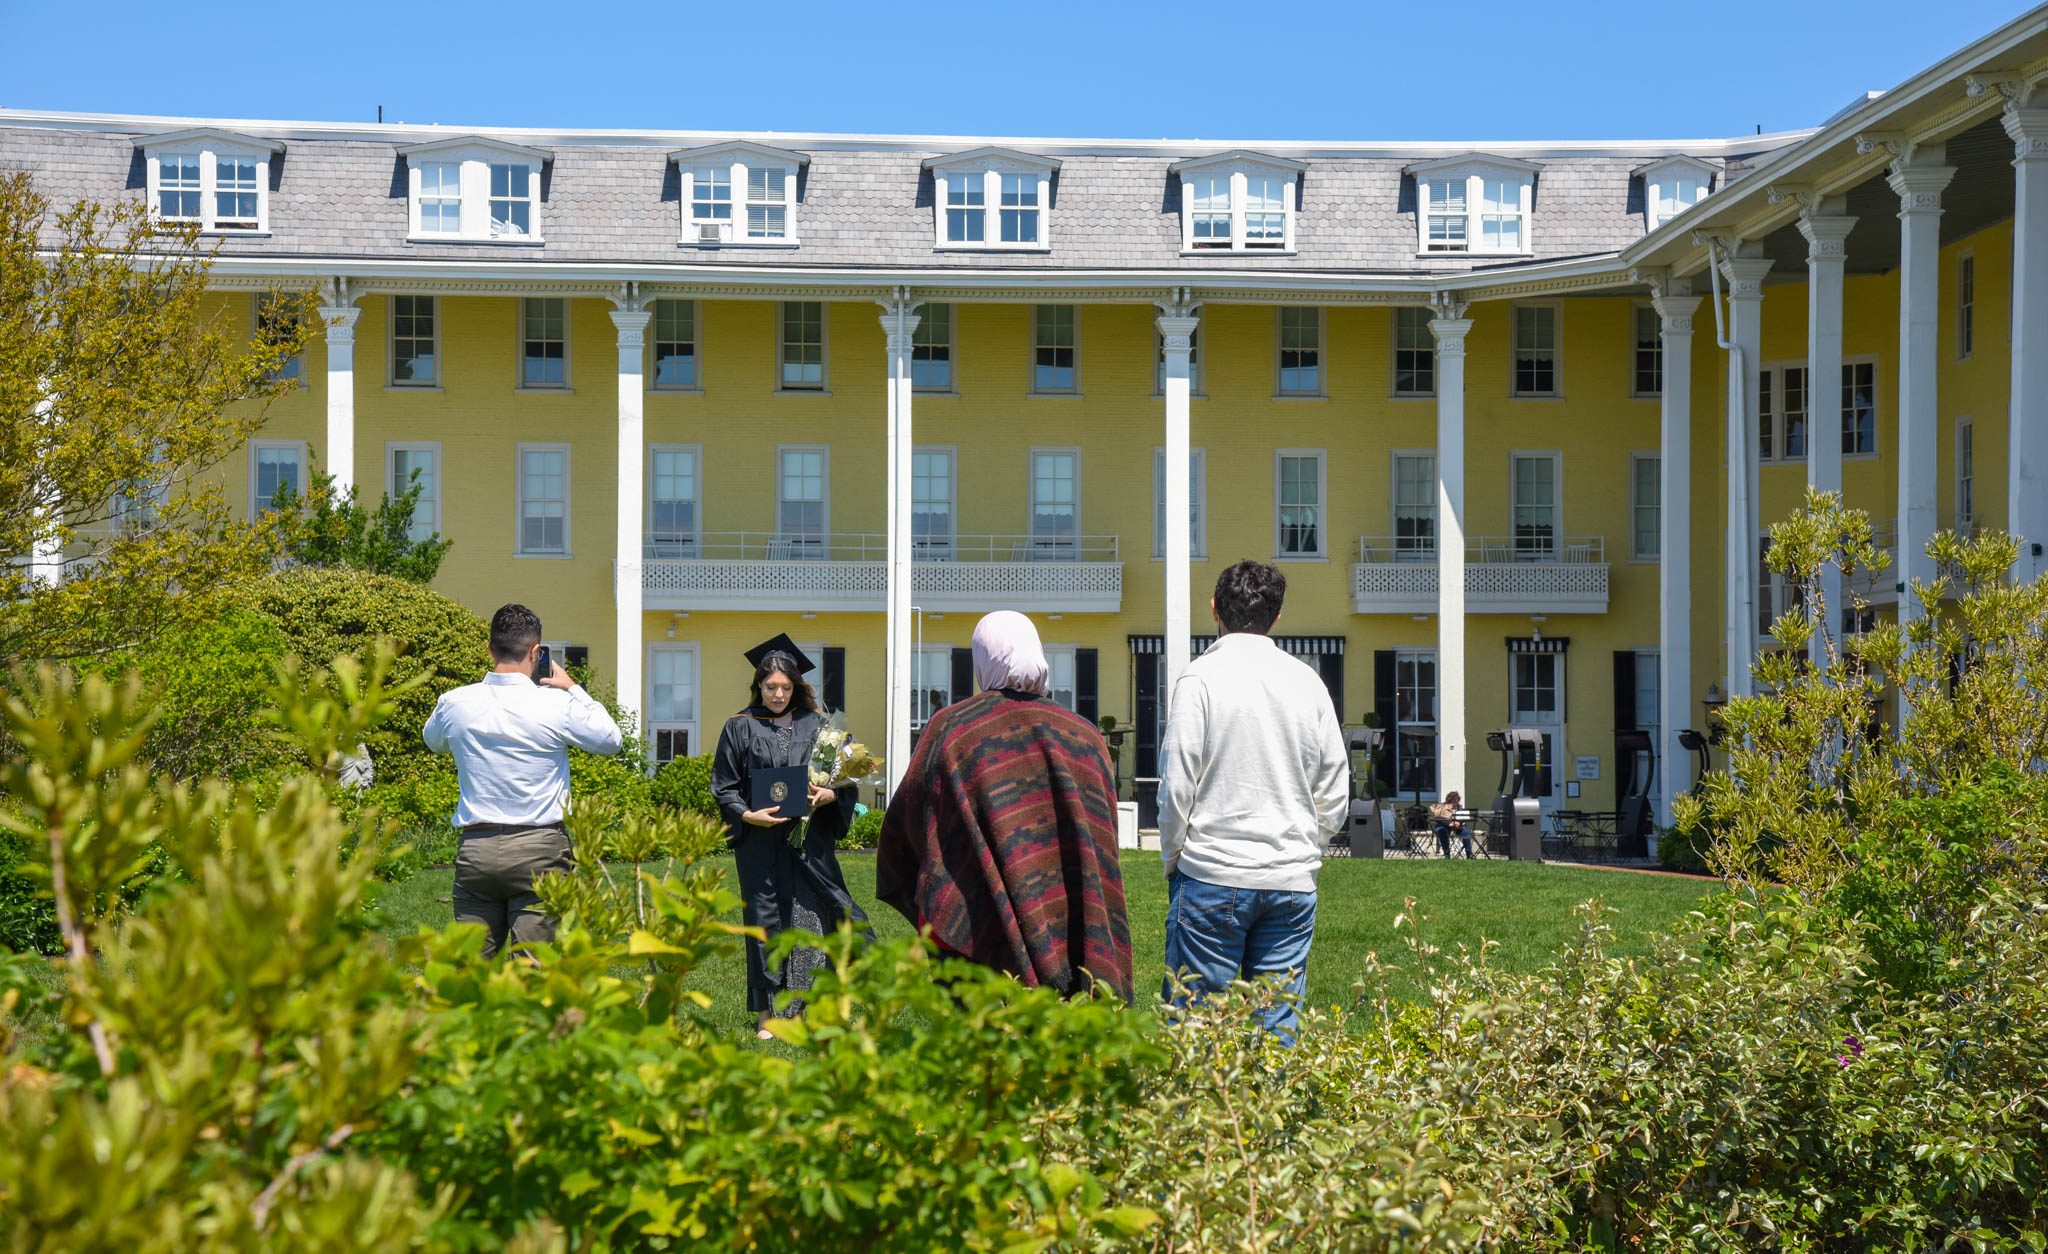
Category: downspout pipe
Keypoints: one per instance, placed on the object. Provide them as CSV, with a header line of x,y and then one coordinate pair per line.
x,y
1743,495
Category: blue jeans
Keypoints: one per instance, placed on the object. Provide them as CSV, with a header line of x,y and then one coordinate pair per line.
x,y
1220,934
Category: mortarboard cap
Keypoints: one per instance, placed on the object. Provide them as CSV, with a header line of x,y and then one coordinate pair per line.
x,y
783,645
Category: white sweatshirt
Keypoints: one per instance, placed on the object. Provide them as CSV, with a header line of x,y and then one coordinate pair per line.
x,y
1253,771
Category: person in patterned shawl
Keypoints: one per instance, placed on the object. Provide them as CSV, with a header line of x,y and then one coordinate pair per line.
x,y
1002,837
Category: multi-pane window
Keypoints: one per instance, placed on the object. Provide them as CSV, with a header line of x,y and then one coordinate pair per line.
x,y
418,466
1966,305
1650,704
711,196
767,202
1414,507
1194,364
1055,353
1966,477
1211,208
1414,353
1060,674
675,344
1781,413
543,499
1646,506
1535,350
1776,593
1500,215
544,342
512,199
217,183
1055,501
671,700
931,350
931,503
1020,208
274,327
1299,504
1533,506
1301,351
931,684
177,186
800,497
274,467
1446,215
1668,196
803,346
1197,532
440,198
966,207
1535,684
1648,358
1480,208
1265,213
1415,721
234,193
414,342
1859,407
672,498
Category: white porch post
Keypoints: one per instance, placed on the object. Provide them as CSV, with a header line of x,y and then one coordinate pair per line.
x,y
1827,232
1674,546
1919,180
899,324
1453,747
631,319
339,315
1745,276
1176,331
2027,476
46,555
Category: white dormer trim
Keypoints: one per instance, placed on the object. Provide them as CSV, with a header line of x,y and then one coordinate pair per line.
x,y
738,194
1232,173
1492,194
991,170
1672,185
460,176
215,186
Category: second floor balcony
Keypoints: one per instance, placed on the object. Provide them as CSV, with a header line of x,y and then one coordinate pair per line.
x,y
1526,574
848,573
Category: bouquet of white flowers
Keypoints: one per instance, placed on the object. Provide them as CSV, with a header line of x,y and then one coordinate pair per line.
x,y
836,758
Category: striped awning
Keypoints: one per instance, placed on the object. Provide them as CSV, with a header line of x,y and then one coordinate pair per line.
x,y
1300,646
1539,644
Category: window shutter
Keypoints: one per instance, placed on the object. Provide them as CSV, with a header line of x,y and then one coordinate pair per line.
x,y
1624,717
1145,694
575,655
963,674
1331,667
1085,702
1383,705
834,679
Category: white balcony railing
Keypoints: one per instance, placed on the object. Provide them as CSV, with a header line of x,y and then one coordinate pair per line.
x,y
752,570
1503,575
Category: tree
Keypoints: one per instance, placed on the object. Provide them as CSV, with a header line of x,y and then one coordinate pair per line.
x,y
119,391
333,530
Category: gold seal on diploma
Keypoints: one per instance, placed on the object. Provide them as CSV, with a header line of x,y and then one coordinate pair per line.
x,y
778,791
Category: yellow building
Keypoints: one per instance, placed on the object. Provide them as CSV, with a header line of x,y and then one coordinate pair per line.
x,y
1509,416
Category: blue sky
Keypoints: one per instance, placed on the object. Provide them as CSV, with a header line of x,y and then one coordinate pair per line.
x,y
1247,70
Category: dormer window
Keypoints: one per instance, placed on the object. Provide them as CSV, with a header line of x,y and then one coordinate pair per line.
x,y
216,179
1672,186
1237,201
474,190
766,182
1474,204
991,198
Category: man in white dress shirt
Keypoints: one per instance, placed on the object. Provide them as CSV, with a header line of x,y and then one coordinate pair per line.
x,y
510,736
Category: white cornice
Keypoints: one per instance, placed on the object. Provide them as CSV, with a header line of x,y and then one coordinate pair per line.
x,y
990,153
738,147
1467,160
456,142
1677,161
1236,157
207,134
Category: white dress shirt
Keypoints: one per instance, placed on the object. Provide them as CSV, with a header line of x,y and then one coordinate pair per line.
x,y
510,738
1253,775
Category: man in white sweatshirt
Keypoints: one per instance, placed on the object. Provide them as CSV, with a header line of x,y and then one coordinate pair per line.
x,y
1253,781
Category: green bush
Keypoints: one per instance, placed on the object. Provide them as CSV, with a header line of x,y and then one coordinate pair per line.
x,y
865,832
685,784
212,678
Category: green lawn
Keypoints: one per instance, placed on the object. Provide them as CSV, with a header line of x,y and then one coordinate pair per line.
x,y
1526,908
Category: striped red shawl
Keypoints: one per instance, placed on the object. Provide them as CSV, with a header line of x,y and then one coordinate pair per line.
x,y
1002,838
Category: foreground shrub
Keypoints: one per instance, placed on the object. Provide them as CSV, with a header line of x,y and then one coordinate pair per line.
x,y
685,784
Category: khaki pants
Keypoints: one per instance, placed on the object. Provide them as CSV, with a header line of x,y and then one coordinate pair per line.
x,y
494,870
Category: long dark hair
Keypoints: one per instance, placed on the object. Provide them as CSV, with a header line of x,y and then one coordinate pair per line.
x,y
801,701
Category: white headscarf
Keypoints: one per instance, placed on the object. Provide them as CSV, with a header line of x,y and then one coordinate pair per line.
x,y
1007,654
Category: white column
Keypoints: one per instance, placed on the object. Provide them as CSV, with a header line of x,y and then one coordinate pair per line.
x,y
2027,476
1827,232
628,581
899,324
1745,277
1177,332
1453,746
46,554
1918,180
340,318
1674,549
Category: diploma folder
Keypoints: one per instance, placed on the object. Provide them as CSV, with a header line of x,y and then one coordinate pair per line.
x,y
786,789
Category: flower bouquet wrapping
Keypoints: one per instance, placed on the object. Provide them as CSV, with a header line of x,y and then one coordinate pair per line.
x,y
836,758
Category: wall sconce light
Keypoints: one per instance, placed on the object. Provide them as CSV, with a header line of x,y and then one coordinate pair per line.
x,y
1712,703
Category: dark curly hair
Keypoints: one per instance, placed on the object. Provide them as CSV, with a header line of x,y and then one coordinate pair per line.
x,y
1248,597
514,630
801,701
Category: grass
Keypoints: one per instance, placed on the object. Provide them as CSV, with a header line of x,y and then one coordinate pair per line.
x,y
1526,908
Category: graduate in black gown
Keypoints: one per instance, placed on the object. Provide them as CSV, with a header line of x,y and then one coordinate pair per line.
x,y
781,886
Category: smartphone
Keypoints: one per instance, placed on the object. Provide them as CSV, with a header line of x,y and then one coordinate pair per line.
x,y
543,665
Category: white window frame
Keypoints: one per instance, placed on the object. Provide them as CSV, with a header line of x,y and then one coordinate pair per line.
x,y
473,156
782,344
1475,170
1966,304
652,369
1050,546
736,160
1071,655
690,541
1321,391
520,381
1556,459
1321,553
1673,185
1636,506
951,344
1556,309
1635,348
1415,657
789,539
932,549
1647,659
1198,523
258,506
1394,506
391,379
990,164
1965,475
294,367
1195,381
1394,351
1773,412
1876,406
690,727
1032,362
211,147
922,659
431,524
520,451
1236,169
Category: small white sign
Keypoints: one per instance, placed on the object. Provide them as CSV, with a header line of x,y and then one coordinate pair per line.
x,y
1586,766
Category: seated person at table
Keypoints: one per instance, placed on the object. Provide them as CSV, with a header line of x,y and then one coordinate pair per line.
x,y
1444,814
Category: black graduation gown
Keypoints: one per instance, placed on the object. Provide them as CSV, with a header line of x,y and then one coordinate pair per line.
x,y
781,887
